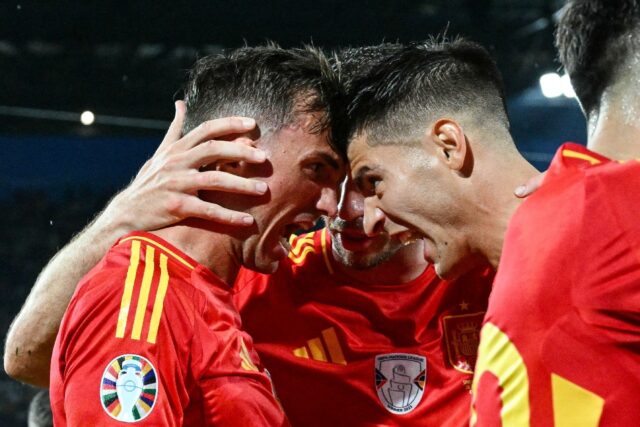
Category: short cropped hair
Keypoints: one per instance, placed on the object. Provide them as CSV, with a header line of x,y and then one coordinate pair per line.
x,y
351,62
40,410
594,37
420,80
267,83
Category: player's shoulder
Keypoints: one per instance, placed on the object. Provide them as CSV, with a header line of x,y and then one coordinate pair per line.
x,y
564,182
583,164
596,176
136,259
141,280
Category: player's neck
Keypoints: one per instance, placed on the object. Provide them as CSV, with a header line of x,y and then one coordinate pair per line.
x,y
615,130
404,266
494,203
211,248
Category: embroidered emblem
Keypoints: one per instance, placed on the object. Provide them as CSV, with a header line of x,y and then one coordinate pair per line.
x,y
400,380
462,337
129,388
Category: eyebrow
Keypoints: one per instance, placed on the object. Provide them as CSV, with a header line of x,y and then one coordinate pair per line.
x,y
359,176
331,161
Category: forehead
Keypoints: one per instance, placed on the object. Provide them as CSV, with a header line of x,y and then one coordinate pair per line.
x,y
364,156
294,145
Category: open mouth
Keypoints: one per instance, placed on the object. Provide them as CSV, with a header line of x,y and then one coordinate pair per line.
x,y
408,237
289,231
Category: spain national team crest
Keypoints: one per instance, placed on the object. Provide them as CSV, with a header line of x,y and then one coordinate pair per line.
x,y
129,388
462,337
400,381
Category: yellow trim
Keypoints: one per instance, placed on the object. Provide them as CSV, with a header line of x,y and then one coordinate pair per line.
x,y
574,405
143,296
323,241
301,352
165,249
125,302
581,156
333,345
297,247
246,362
499,356
299,258
159,301
317,352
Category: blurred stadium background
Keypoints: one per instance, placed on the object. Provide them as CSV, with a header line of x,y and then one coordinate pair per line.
x,y
124,62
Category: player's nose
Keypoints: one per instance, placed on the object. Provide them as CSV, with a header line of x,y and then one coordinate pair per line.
x,y
328,202
374,217
351,205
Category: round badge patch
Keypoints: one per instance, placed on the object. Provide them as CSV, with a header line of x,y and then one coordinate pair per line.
x,y
129,388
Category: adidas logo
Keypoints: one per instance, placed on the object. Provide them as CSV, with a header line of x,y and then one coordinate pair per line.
x,y
325,348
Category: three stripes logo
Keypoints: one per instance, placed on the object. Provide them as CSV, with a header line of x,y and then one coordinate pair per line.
x,y
245,358
146,282
325,348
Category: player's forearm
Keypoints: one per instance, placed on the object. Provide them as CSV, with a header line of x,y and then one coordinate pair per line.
x,y
32,335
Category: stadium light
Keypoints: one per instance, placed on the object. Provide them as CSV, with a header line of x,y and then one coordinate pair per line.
x,y
87,118
551,85
567,88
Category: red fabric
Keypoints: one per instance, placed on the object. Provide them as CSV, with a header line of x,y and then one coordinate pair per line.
x,y
286,310
567,293
200,375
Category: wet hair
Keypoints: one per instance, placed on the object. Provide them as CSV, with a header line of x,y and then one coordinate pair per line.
x,y
594,37
394,99
267,83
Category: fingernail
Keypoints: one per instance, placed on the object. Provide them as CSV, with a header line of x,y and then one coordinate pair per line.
x,y
248,123
259,155
261,187
247,220
520,191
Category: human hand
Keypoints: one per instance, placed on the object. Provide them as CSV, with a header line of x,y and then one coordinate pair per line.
x,y
165,190
530,187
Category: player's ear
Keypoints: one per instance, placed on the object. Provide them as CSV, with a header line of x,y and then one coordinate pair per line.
x,y
450,142
235,167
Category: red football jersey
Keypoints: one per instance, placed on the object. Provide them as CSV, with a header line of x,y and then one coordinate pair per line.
x,y
561,343
151,336
347,353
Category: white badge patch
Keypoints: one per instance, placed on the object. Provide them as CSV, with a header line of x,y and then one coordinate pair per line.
x,y
129,388
400,381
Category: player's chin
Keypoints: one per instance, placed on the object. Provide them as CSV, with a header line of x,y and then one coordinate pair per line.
x,y
264,265
448,266
268,258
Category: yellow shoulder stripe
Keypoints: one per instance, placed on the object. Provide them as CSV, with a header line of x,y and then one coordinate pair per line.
x,y
128,289
581,156
144,291
164,248
159,302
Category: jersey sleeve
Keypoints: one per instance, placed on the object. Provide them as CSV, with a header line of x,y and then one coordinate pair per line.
x,y
122,349
607,286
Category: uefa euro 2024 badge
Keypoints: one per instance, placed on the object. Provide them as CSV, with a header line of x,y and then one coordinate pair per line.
x,y
129,388
400,381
